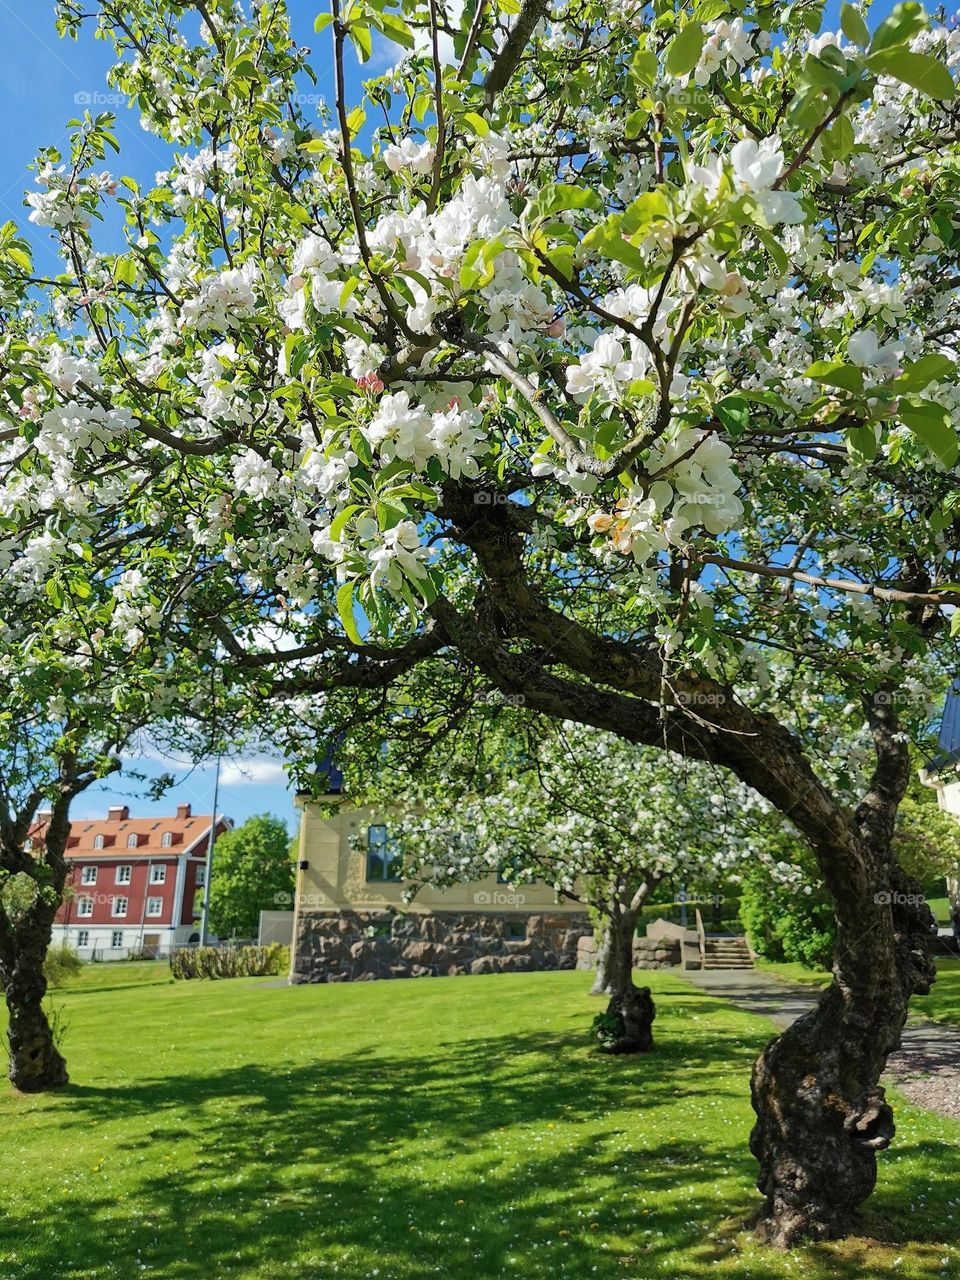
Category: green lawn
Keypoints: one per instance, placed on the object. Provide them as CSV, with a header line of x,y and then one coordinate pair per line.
x,y
117,975
456,1128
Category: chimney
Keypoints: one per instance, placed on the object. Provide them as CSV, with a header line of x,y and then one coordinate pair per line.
x,y
183,811
118,813
44,815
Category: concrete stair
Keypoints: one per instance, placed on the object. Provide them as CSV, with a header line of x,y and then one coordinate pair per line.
x,y
727,953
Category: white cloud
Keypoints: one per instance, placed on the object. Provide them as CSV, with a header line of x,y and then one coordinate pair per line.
x,y
235,773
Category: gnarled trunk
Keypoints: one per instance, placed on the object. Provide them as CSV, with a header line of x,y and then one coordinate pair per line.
x,y
822,1114
627,1024
35,1062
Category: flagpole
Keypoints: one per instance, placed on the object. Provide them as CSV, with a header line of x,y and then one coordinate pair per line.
x,y
205,918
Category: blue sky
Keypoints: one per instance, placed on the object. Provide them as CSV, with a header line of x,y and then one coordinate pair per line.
x,y
44,82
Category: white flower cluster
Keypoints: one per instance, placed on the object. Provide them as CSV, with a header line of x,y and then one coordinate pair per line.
x,y
399,429
223,300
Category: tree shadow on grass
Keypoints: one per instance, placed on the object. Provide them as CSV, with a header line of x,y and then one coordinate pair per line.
x,y
487,1156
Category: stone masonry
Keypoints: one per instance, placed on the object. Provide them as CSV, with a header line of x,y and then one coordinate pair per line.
x,y
351,946
648,953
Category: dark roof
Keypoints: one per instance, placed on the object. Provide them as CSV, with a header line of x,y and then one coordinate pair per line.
x,y
328,770
948,753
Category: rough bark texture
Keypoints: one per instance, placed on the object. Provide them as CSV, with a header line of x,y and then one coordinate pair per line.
x,y
822,1114
36,1064
627,1024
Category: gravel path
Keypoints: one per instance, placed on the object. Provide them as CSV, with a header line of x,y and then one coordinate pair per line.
x,y
926,1067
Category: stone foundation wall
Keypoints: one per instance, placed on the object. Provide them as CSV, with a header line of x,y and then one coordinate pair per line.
x,y
648,953
351,946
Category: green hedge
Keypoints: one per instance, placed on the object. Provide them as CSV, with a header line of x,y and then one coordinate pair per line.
x,y
229,962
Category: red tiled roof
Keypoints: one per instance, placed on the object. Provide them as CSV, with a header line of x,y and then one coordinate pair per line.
x,y
186,831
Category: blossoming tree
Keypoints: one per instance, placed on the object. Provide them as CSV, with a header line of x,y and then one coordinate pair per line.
x,y
603,821
607,347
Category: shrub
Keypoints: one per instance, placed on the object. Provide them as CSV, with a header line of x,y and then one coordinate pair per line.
x,y
61,964
789,919
229,962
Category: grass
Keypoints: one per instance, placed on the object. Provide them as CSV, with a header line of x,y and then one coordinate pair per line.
x,y
117,976
400,1130
791,971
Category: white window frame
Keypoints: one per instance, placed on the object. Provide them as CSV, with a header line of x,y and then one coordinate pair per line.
x,y
98,842
124,874
158,873
116,940
154,903
167,840
83,939
201,879
88,875
132,840
83,903
115,911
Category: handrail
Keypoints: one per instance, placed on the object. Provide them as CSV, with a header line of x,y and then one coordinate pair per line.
x,y
701,938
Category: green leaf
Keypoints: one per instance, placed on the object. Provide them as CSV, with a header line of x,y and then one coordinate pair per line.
x,y
359,33
853,25
685,49
644,66
356,120
930,423
125,270
323,21
734,413
920,373
905,21
395,29
837,374
345,610
21,258
561,196
862,443
919,70
635,123
477,123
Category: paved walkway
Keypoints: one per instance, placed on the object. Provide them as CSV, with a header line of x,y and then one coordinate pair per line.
x,y
926,1067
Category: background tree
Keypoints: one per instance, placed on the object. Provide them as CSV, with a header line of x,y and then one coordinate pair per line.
x,y
602,821
252,872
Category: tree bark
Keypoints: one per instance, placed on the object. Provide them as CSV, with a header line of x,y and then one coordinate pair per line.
x,y
822,1113
627,1024
36,1063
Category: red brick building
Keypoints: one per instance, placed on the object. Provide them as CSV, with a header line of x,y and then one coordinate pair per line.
x,y
134,884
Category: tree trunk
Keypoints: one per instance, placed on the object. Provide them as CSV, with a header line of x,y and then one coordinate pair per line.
x,y
822,1114
627,1024
35,1062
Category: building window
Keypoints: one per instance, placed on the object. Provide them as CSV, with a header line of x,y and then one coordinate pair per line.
x,y
124,874
120,906
158,873
88,875
98,842
201,879
167,840
383,855
154,906
83,938
116,939
84,906
132,841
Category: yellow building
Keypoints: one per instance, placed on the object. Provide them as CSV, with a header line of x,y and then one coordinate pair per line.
x,y
351,921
